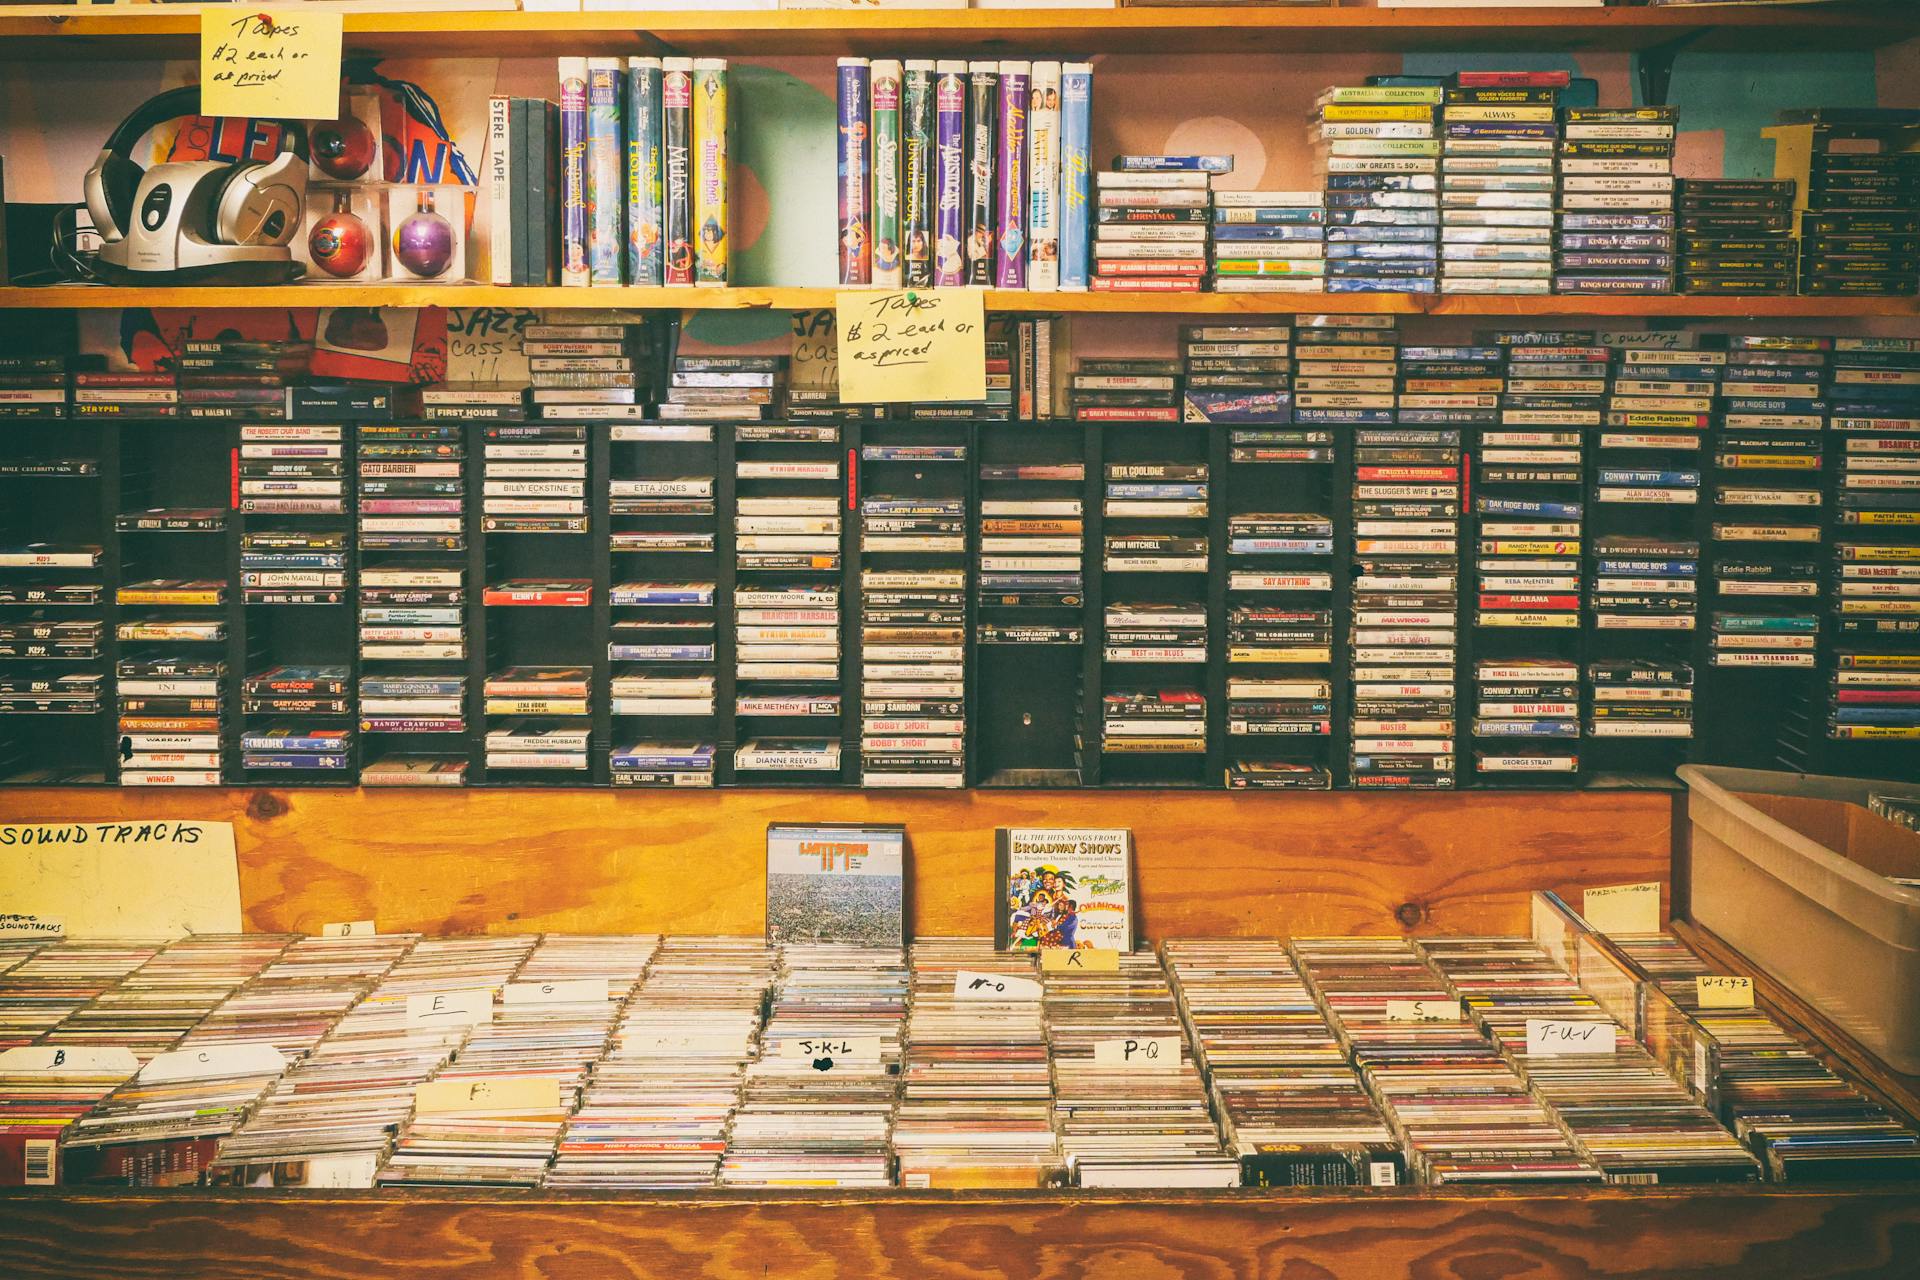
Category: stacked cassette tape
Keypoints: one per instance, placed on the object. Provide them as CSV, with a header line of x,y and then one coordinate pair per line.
x,y
663,645
1875,398
588,369
1736,236
172,718
1615,232
1500,131
787,563
1154,228
1290,1108
1644,596
1858,173
656,1109
1270,241
1407,493
1767,535
413,601
1128,1100
1377,153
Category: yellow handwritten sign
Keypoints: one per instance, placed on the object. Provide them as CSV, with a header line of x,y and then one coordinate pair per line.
x,y
121,879
487,1093
912,345
281,63
1623,908
1724,991
1079,960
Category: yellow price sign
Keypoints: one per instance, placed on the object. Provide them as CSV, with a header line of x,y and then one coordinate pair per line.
x,y
280,63
915,346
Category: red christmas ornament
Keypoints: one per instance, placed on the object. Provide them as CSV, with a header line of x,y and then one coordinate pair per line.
x,y
342,148
340,244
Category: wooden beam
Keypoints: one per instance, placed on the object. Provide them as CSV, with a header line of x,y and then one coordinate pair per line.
x,y
1208,863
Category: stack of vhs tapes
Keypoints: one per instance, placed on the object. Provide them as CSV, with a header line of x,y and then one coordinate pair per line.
x,y
1407,487
1500,131
656,1109
1270,241
1526,719
663,649
1290,1109
787,531
975,1088
299,723
1640,698
913,675
1131,1111
1125,390
1377,153
1767,535
1616,224
1858,174
543,713
1876,417
1736,236
817,1102
172,720
592,369
724,388
1155,215
534,477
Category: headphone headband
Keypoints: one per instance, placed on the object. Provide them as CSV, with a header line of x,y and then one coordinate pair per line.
x,y
185,101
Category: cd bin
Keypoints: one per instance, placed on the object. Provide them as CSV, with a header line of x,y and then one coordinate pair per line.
x,y
1792,870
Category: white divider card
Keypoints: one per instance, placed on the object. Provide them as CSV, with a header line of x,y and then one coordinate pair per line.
x,y
1000,987
832,1050
1138,1053
487,1094
471,1008
1079,960
1423,1011
1550,1037
20,924
349,929
62,1060
1723,991
214,1062
113,879
569,991
1623,908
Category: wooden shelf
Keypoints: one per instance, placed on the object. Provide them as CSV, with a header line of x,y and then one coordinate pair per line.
x,y
174,32
1755,1233
89,296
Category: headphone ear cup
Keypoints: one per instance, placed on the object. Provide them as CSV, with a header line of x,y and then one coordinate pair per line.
x,y
120,182
220,218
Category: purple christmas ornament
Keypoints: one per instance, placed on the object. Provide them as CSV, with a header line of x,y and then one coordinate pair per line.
x,y
423,243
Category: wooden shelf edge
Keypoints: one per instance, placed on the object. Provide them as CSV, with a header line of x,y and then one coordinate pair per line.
x,y
747,298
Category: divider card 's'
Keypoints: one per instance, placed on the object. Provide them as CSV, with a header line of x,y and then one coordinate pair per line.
x,y
123,879
918,345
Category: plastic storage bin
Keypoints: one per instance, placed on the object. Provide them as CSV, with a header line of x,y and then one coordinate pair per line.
x,y
1791,869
